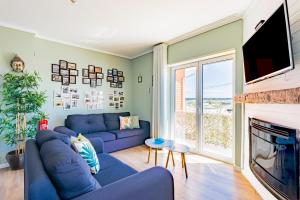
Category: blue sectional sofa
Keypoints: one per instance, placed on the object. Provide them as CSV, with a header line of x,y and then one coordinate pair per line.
x,y
107,127
54,171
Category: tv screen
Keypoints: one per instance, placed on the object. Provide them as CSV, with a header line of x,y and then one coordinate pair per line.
x,y
268,52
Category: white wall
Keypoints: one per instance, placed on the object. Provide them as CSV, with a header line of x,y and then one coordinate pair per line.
x,y
287,115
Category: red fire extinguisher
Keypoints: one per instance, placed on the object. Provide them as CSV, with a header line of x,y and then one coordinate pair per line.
x,y
43,126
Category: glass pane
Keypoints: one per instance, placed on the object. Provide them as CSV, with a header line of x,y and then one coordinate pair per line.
x,y
185,107
217,108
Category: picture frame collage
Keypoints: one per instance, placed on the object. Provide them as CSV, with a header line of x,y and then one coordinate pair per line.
x,y
92,75
64,72
115,78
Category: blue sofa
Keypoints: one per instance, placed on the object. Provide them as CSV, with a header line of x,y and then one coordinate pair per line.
x,y
114,181
107,127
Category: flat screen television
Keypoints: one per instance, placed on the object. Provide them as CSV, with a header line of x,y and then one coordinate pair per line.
x,y
269,52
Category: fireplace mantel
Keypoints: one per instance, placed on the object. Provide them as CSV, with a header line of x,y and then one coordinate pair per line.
x,y
285,96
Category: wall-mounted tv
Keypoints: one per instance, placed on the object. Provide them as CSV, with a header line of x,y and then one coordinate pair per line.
x,y
269,52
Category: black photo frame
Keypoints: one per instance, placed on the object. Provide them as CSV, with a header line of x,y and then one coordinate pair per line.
x,y
63,64
73,72
56,77
85,72
91,68
114,72
55,69
93,83
71,65
86,81
65,80
98,82
72,79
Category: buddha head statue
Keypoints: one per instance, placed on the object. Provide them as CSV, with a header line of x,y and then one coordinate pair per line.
x,y
17,64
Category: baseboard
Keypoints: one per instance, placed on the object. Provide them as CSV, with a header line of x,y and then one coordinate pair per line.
x,y
238,168
4,165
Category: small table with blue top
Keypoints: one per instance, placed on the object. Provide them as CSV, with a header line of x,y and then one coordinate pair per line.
x,y
159,143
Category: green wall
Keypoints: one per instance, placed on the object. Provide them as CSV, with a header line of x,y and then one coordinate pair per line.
x,y
39,54
142,92
223,38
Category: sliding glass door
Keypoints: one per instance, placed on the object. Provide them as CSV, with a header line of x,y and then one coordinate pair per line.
x,y
203,108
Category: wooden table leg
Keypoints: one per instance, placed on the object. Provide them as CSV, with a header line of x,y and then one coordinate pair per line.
x,y
182,163
155,157
173,158
149,154
168,159
185,167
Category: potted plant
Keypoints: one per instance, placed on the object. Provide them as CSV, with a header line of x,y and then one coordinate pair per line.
x,y
20,104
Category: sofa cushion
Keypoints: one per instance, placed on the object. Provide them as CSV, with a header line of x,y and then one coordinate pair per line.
x,y
86,150
112,120
86,123
128,133
63,165
112,170
45,136
105,136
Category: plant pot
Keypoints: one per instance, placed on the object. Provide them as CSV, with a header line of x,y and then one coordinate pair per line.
x,y
14,160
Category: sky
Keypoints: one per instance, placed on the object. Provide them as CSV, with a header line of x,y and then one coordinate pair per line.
x,y
217,80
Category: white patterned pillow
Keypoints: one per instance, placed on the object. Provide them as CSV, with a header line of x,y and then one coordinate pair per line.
x,y
86,150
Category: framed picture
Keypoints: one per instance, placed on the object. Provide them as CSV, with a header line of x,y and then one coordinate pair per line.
x,y
56,77
71,65
65,90
114,72
73,72
109,79
91,68
99,75
65,80
92,75
120,73
116,79
109,72
86,81
93,83
85,72
120,85
121,78
113,85
98,70
72,79
63,64
64,72
55,69
99,82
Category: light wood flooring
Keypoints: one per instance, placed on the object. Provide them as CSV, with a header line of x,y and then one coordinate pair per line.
x,y
208,179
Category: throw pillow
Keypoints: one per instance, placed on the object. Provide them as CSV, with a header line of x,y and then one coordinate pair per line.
x,y
135,122
129,122
125,123
84,147
67,170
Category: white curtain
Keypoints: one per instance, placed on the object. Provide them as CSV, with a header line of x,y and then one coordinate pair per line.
x,y
160,78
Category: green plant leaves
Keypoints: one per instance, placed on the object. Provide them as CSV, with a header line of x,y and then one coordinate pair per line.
x,y
19,94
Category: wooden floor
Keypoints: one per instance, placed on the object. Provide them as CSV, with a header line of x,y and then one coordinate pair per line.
x,y
208,179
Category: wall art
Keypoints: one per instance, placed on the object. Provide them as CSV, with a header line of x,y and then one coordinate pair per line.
x,y
115,78
64,72
93,76
116,100
66,98
94,100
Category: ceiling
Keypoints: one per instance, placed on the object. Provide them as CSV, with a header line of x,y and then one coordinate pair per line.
x,y
121,27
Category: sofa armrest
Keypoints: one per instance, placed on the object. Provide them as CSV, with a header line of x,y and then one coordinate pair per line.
x,y
65,130
98,144
155,183
146,126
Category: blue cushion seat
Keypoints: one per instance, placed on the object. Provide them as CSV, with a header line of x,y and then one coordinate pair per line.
x,y
63,165
112,170
128,133
105,136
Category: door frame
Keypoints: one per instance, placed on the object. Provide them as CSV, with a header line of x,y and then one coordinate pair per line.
x,y
228,55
